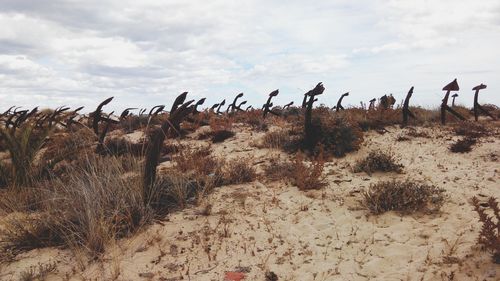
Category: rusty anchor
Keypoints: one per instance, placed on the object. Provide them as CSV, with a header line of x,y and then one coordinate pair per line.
x,y
477,106
452,86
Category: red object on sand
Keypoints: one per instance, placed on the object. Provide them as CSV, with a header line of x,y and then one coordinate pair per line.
x,y
234,276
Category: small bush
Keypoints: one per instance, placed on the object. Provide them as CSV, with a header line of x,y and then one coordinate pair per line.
x,y
198,160
278,169
221,135
253,118
412,132
403,196
307,177
378,161
276,139
471,130
22,233
26,199
239,171
335,136
23,145
463,145
96,203
119,146
216,136
173,191
489,236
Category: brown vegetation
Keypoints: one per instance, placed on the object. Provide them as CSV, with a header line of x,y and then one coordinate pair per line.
x,y
489,216
403,196
378,161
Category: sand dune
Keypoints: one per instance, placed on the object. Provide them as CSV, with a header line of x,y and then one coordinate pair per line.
x,y
315,235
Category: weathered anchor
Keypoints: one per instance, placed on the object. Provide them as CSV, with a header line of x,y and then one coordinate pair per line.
x,y
477,106
406,108
339,102
267,107
453,86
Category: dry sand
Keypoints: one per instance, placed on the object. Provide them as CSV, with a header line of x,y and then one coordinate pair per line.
x,y
317,235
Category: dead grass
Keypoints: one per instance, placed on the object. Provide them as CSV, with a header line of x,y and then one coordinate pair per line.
x,y
239,171
308,176
195,159
378,161
403,196
471,130
335,135
278,169
97,202
463,145
278,139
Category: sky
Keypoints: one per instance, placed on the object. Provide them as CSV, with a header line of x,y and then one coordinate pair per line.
x,y
145,53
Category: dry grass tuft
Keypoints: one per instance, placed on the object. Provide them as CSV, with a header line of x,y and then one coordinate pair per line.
x,y
221,135
307,177
26,232
378,161
278,169
99,201
463,145
38,272
471,130
198,160
239,171
335,135
403,196
174,191
276,139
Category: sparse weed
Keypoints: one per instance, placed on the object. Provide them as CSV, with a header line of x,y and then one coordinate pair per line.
x,y
38,272
489,216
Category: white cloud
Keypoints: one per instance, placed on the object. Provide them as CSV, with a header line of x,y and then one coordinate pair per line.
x,y
146,52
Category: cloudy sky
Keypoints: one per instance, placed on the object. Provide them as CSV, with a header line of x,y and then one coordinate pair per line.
x,y
68,52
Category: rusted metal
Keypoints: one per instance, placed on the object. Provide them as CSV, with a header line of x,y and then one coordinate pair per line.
x,y
477,106
178,101
387,101
154,148
96,115
406,108
196,105
155,110
126,112
286,106
308,128
267,107
452,86
453,99
218,112
238,107
339,102
372,104
232,107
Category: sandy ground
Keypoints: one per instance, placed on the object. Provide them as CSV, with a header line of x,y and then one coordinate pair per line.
x,y
316,235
